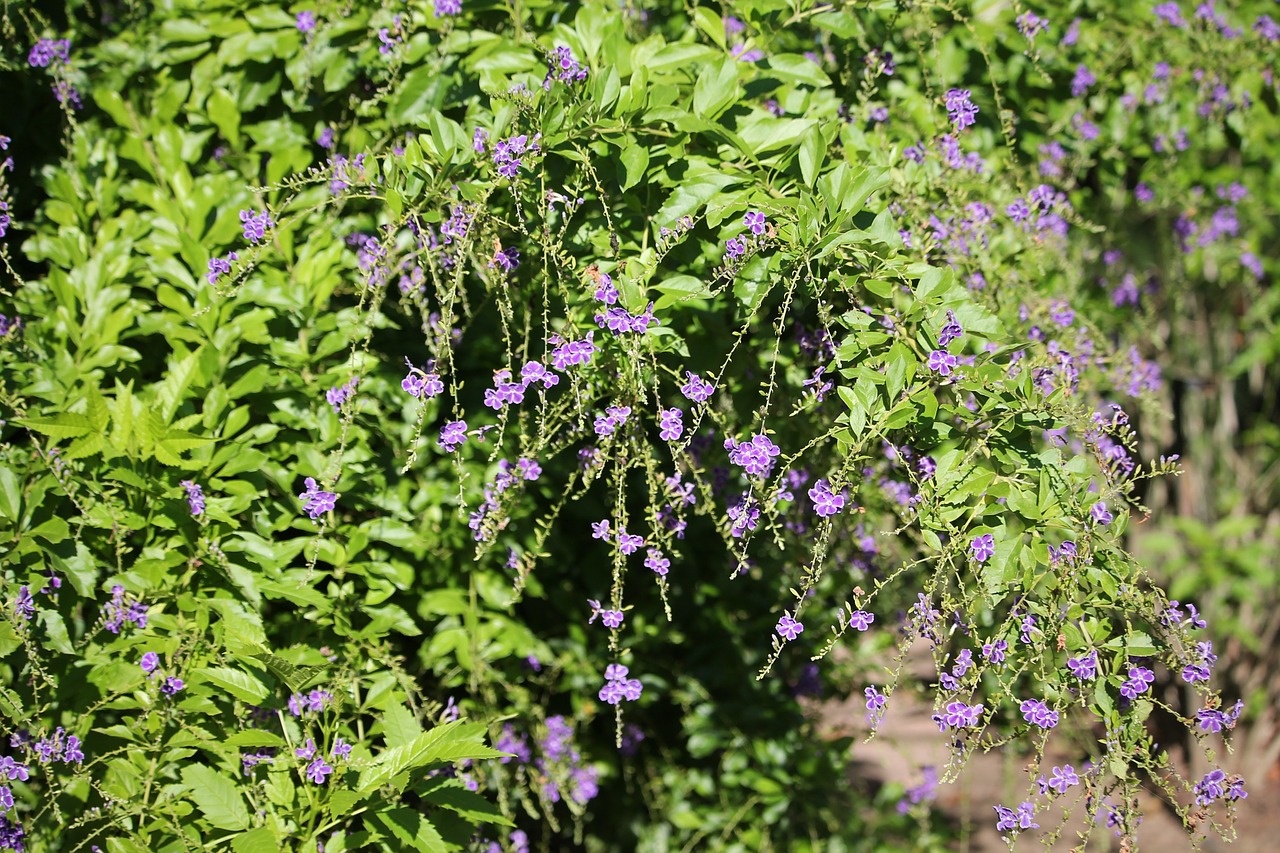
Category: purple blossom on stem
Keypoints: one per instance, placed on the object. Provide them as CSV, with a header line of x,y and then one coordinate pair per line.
x,y
942,362
960,109
315,501
255,225
195,498
697,389
983,547
452,436
788,628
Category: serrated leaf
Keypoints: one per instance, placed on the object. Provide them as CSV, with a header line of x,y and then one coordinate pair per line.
x,y
65,425
217,797
448,742
296,677
469,805
412,828
399,726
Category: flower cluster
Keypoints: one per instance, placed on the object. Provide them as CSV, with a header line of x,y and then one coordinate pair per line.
x,y
958,715
825,502
507,154
339,395
219,267
255,226
122,607
309,703
315,501
960,109
48,52
195,497
613,418
1008,819
1037,713
756,456
618,687
422,384
563,67
697,389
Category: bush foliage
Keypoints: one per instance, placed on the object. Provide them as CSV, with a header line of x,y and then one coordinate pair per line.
x,y
391,389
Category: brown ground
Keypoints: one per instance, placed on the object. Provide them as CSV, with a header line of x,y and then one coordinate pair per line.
x,y
908,739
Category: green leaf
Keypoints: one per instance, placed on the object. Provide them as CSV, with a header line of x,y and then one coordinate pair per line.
x,y
242,685
469,805
935,282
10,495
296,677
717,87
225,115
399,726
412,828
680,288
635,159
448,742
260,840
216,796
65,425
812,153
797,69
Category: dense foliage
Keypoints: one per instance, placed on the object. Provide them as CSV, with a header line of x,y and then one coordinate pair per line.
x,y
388,390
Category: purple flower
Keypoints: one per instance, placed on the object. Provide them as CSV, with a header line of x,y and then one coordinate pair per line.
x,y
958,715
950,331
219,267
448,8
789,628
340,394
341,749
24,606
655,561
255,225
1170,14
1082,81
670,426
825,502
195,497
697,389
861,619
71,752
756,456
49,52
735,248
755,221
326,138
149,662
562,66
1037,713
307,751
942,362
983,547
960,109
1084,668
315,501
306,22
452,436
1100,514
172,686
1139,681
318,771
13,770
1063,778
629,543
600,529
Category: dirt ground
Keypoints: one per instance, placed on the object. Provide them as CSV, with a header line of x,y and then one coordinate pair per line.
x,y
908,740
